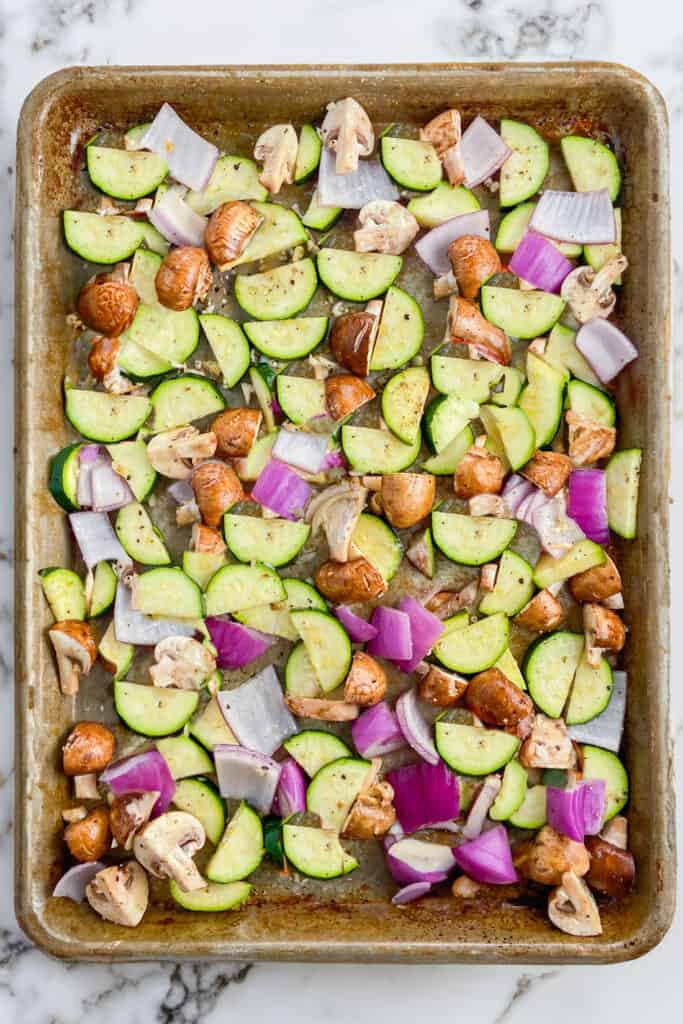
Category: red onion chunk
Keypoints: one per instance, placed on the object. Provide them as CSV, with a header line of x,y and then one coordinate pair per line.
x,y
607,728
540,263
256,712
181,491
595,805
377,732
488,858
236,645
96,539
424,795
142,773
556,531
587,503
515,491
88,457
425,630
281,490
353,190
290,796
245,774
72,884
533,501
410,893
301,450
481,805
394,638
483,152
177,221
566,811
358,629
190,158
414,727
133,627
586,218
606,348
108,490
432,248
335,459
414,860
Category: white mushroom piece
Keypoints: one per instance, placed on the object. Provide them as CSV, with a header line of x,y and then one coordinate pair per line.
x,y
572,908
549,745
603,630
336,511
174,452
589,293
167,845
444,132
182,663
386,227
348,132
75,647
277,148
120,893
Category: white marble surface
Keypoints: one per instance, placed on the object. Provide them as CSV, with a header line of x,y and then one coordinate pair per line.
x,y
39,36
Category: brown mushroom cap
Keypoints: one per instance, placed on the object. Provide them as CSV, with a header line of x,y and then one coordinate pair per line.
x,y
366,683
440,687
90,838
89,747
102,357
325,710
541,614
349,582
230,230
128,813
548,470
466,324
236,430
106,305
493,698
75,647
596,584
372,813
183,278
216,489
478,472
549,855
352,340
612,870
344,393
407,497
206,539
474,260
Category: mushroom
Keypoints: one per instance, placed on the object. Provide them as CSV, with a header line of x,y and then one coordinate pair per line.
x,y
481,805
166,846
572,908
386,227
277,147
616,832
474,260
541,614
104,352
88,749
549,745
597,584
236,430
489,505
445,603
589,293
325,710
345,393
547,857
183,278
588,441
612,869
366,683
229,231
206,540
420,553
350,582
407,497
90,838
467,325
372,814
494,699
444,133
478,472
352,340
107,304
120,893
75,646
336,510
465,888
181,663
487,576
172,452
548,470
216,489
348,132
128,813
445,285
440,687
187,514
604,632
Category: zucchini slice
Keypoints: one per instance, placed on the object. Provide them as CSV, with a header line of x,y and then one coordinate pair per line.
x,y
300,398
562,353
446,462
251,468
118,657
273,541
370,450
510,433
184,757
591,165
233,177
210,727
377,542
471,379
287,339
236,587
201,798
401,330
474,647
591,403
327,645
444,203
314,748
603,764
228,344
472,750
65,593
623,478
471,540
63,482
510,385
241,849
524,171
320,218
281,229
103,590
532,812
168,593
101,239
316,852
138,363
180,401
279,293
124,174
275,619
514,586
590,693
513,227
403,400
597,255
357,276
153,710
550,667
200,566
541,399
507,664
300,677
445,418
512,792
214,898
105,418
130,460
522,314
585,554
334,788
143,541
412,164
307,154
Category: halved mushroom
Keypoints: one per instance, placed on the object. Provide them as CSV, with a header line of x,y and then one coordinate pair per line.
x,y
352,340
348,132
541,614
325,710
487,576
173,452
88,748
128,813
103,365
89,838
350,582
612,869
481,805
107,303
372,814
336,510
277,148
420,553
119,893
440,687
445,603
229,231
546,858
588,441
478,472
183,278
187,513
444,132
182,663
75,646
589,292
445,285
495,700
216,489
548,470
474,260
549,745
206,539
407,497
386,227
166,846
344,393
366,683
604,632
235,431
597,584
489,505
465,888
572,908
467,325
616,832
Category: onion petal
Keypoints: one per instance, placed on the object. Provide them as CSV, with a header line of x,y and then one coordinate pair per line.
x,y
586,218
177,221
190,158
353,190
245,774
415,728
96,539
605,347
483,152
256,712
432,248
72,884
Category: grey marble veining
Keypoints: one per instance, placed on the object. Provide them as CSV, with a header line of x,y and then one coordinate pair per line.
x,y
39,36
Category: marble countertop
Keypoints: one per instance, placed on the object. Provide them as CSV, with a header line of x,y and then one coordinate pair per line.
x,y
40,36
